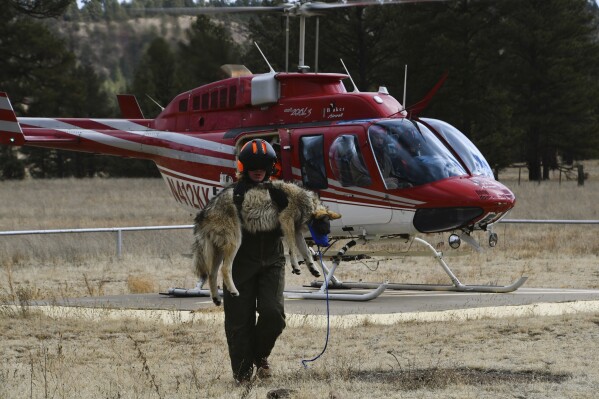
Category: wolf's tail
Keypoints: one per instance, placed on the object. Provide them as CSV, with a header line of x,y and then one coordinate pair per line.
x,y
10,130
200,257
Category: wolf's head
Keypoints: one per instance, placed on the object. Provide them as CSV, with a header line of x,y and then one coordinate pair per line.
x,y
321,220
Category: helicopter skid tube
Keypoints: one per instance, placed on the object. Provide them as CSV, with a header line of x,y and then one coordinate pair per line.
x,y
432,287
378,289
456,286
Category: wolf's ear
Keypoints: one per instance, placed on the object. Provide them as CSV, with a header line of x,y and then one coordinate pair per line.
x,y
325,213
333,215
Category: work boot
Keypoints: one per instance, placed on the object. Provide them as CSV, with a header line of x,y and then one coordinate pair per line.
x,y
263,370
244,377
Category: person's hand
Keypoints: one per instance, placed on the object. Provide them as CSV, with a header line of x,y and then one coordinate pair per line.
x,y
279,197
239,193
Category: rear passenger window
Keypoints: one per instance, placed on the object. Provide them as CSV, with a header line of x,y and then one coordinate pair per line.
x,y
314,175
183,105
347,162
223,98
214,99
232,96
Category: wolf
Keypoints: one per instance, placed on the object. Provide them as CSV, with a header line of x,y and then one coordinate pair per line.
x,y
218,228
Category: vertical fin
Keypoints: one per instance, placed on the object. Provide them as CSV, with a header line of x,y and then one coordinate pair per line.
x,y
129,106
10,130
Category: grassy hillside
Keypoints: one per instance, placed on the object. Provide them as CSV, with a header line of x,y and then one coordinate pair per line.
x,y
114,48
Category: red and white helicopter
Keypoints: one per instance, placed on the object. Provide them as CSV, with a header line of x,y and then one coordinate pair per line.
x,y
389,173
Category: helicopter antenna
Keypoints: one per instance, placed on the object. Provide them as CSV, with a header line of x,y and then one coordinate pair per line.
x,y
155,102
350,78
265,60
405,84
316,49
287,44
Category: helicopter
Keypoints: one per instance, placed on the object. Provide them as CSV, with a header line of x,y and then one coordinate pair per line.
x,y
390,173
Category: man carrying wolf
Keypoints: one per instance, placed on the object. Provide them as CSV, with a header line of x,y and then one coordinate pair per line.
x,y
258,273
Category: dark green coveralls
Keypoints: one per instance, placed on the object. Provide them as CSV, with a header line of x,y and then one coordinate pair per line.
x,y
259,274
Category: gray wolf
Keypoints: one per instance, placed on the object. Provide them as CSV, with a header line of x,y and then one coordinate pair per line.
x,y
218,229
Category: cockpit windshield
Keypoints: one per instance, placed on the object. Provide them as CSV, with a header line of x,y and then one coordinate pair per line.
x,y
408,154
466,150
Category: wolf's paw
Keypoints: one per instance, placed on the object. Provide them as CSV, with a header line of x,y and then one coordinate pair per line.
x,y
314,271
216,301
234,293
296,271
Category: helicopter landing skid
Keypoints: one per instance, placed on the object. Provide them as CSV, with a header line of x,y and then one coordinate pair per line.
x,y
322,293
456,284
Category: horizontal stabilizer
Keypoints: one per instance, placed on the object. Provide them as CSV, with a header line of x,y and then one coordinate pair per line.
x,y
10,130
129,106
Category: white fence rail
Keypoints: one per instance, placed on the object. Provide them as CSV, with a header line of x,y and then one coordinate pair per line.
x,y
549,221
119,230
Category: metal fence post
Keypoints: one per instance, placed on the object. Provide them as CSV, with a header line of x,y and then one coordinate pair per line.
x,y
119,243
581,175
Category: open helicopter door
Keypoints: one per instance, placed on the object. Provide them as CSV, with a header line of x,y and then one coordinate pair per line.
x,y
285,154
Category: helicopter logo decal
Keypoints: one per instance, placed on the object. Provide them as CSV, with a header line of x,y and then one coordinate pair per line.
x,y
301,112
333,111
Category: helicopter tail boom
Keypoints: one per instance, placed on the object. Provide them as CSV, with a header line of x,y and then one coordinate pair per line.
x,y
12,131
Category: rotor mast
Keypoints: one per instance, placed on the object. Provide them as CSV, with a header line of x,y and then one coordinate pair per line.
x,y
302,44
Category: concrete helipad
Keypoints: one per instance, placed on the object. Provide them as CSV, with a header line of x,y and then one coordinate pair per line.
x,y
391,307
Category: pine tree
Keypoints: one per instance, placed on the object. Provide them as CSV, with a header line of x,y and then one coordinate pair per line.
x,y
208,46
552,53
156,77
31,57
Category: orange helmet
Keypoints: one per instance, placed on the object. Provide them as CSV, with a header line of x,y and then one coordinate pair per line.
x,y
256,154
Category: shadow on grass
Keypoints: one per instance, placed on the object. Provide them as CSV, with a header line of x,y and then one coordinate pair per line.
x,y
438,378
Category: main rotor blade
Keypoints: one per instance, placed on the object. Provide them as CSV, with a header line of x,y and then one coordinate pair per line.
x,y
293,9
318,6
209,10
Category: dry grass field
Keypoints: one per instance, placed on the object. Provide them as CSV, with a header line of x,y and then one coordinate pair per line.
x,y
44,357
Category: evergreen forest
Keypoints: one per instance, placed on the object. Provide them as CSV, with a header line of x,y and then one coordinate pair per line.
x,y
522,75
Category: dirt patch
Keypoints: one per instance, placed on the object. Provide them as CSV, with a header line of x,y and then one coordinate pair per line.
x,y
439,378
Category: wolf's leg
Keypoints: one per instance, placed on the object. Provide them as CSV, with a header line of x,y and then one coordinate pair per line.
x,y
288,229
305,253
201,282
212,279
199,263
202,275
207,258
229,253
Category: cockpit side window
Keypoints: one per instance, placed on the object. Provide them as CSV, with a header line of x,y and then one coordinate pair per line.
x,y
314,175
347,162
390,157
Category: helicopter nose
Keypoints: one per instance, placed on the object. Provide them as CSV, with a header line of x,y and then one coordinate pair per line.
x,y
467,202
